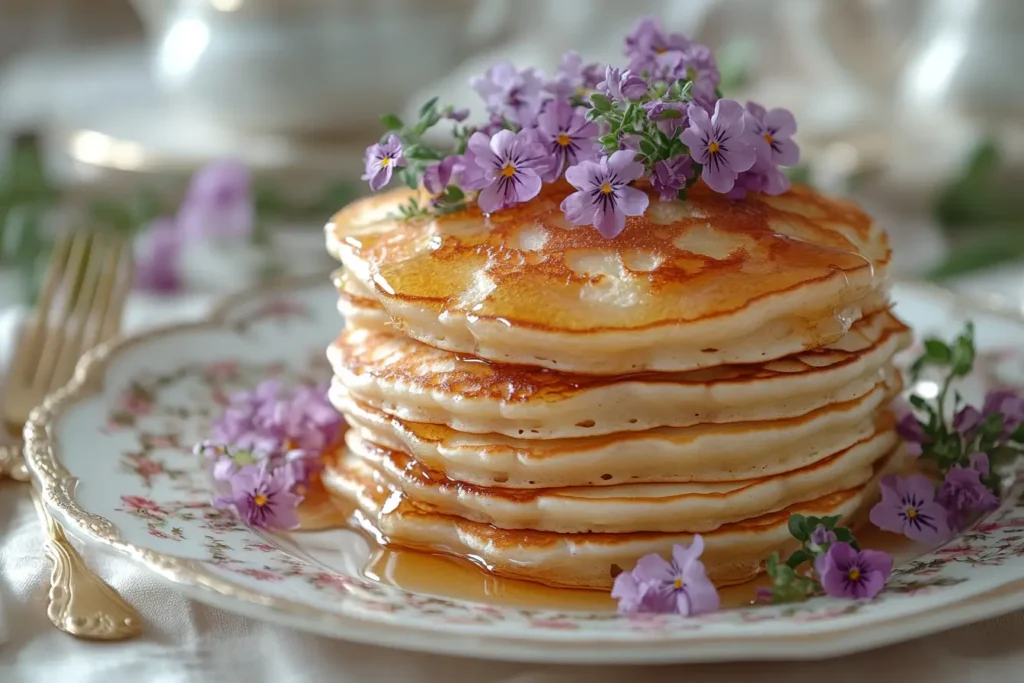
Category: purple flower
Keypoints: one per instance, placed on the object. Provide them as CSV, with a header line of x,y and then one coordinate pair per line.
x,y
668,116
647,40
847,573
912,432
719,144
262,497
966,420
908,507
775,128
696,64
218,203
963,494
381,161
508,168
573,78
511,93
567,136
822,536
280,426
158,258
1008,403
671,175
656,585
761,178
623,85
628,592
438,176
459,115
604,197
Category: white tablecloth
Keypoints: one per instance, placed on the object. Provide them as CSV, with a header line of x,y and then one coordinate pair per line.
x,y
188,642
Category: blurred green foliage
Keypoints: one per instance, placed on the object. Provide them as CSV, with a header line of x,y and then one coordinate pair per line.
x,y
982,214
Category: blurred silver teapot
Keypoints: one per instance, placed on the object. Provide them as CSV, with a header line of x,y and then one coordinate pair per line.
x,y
301,66
920,56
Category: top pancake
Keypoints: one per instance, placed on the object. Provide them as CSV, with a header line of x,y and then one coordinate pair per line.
x,y
690,284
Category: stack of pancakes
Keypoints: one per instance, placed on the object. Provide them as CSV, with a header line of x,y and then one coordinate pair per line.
x,y
553,405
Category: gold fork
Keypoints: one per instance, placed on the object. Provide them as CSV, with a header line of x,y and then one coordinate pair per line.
x,y
79,307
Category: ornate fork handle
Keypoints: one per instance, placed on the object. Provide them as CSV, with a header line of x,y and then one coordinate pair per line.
x,y
80,602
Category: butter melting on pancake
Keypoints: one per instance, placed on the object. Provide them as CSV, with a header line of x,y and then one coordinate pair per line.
x,y
689,285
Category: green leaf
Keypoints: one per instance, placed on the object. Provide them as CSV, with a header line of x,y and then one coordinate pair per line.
x,y
454,194
798,527
936,351
647,147
784,574
771,566
918,402
963,352
844,535
600,102
798,558
992,428
592,115
428,107
391,122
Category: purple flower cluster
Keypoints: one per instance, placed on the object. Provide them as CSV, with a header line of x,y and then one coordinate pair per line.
x,y
264,449
663,110
219,204
912,506
659,585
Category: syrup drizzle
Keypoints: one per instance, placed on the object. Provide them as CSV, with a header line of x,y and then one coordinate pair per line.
x,y
437,575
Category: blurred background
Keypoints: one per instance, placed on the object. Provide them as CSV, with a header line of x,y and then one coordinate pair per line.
x,y
221,134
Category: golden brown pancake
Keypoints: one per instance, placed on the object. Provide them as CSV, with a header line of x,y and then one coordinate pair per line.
x,y
419,383
626,508
708,452
688,285
733,553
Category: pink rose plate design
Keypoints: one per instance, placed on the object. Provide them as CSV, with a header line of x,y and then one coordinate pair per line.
x,y
112,453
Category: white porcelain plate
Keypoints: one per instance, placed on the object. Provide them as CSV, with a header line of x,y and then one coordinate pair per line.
x,y
112,453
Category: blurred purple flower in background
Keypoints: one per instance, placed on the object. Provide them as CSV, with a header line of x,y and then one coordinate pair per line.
x,y
512,93
158,258
219,202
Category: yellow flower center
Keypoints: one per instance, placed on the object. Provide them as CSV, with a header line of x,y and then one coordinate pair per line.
x,y
678,584
713,147
606,188
385,162
564,140
260,499
911,512
660,50
509,170
768,138
854,574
